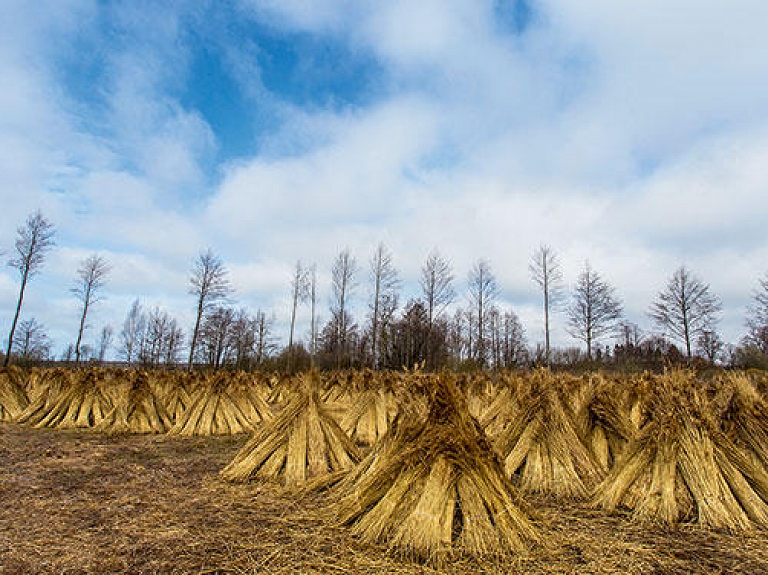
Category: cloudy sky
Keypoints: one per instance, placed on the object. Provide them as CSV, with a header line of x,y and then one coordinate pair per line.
x,y
631,134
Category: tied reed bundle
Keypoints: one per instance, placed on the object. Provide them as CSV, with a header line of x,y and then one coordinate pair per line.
x,y
136,410
681,466
303,442
225,404
433,487
13,398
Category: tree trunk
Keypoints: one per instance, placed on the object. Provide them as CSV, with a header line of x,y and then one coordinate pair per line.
x,y
193,343
7,360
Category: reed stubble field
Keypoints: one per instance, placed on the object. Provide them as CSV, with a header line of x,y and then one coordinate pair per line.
x,y
78,502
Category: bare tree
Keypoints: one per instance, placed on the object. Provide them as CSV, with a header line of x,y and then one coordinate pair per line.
x,y
384,297
594,310
265,343
757,318
342,283
131,332
545,271
300,292
313,305
216,336
709,345
686,307
437,289
482,292
33,242
514,351
105,342
209,284
91,276
31,342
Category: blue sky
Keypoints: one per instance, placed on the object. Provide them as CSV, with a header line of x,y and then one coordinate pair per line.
x,y
634,135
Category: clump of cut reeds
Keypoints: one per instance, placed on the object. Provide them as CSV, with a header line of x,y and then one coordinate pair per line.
x,y
501,406
43,391
136,410
603,420
541,444
303,442
225,404
13,398
371,409
479,390
82,402
743,415
175,390
433,487
681,466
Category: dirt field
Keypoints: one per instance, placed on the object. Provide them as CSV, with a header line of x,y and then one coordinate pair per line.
x,y
76,502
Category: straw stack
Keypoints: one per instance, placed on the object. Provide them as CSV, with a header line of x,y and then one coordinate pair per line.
x,y
433,487
303,442
682,466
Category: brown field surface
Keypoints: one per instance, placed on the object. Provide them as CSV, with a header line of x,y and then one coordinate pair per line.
x,y
80,502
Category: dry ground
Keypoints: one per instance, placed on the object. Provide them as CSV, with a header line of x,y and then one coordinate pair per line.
x,y
77,502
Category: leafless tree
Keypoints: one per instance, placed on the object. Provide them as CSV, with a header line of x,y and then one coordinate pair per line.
x,y
313,306
437,289
686,307
105,342
265,342
160,338
131,332
757,318
545,271
343,284
209,284
31,342
514,351
91,276
300,292
594,310
216,336
436,284
383,298
709,345
33,242
482,293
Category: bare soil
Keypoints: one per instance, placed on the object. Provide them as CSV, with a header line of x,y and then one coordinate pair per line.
x,y
79,502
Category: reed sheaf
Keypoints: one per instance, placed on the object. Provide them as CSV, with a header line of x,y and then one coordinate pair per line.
x,y
433,486
303,442
686,464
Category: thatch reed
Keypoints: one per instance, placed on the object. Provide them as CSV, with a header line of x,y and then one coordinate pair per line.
x,y
743,416
43,392
371,410
541,443
603,421
681,466
136,410
226,404
13,398
433,487
303,442
85,397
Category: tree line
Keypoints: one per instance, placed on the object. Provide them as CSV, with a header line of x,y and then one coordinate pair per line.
x,y
433,330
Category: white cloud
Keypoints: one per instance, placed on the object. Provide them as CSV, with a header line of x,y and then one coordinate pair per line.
x,y
632,136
